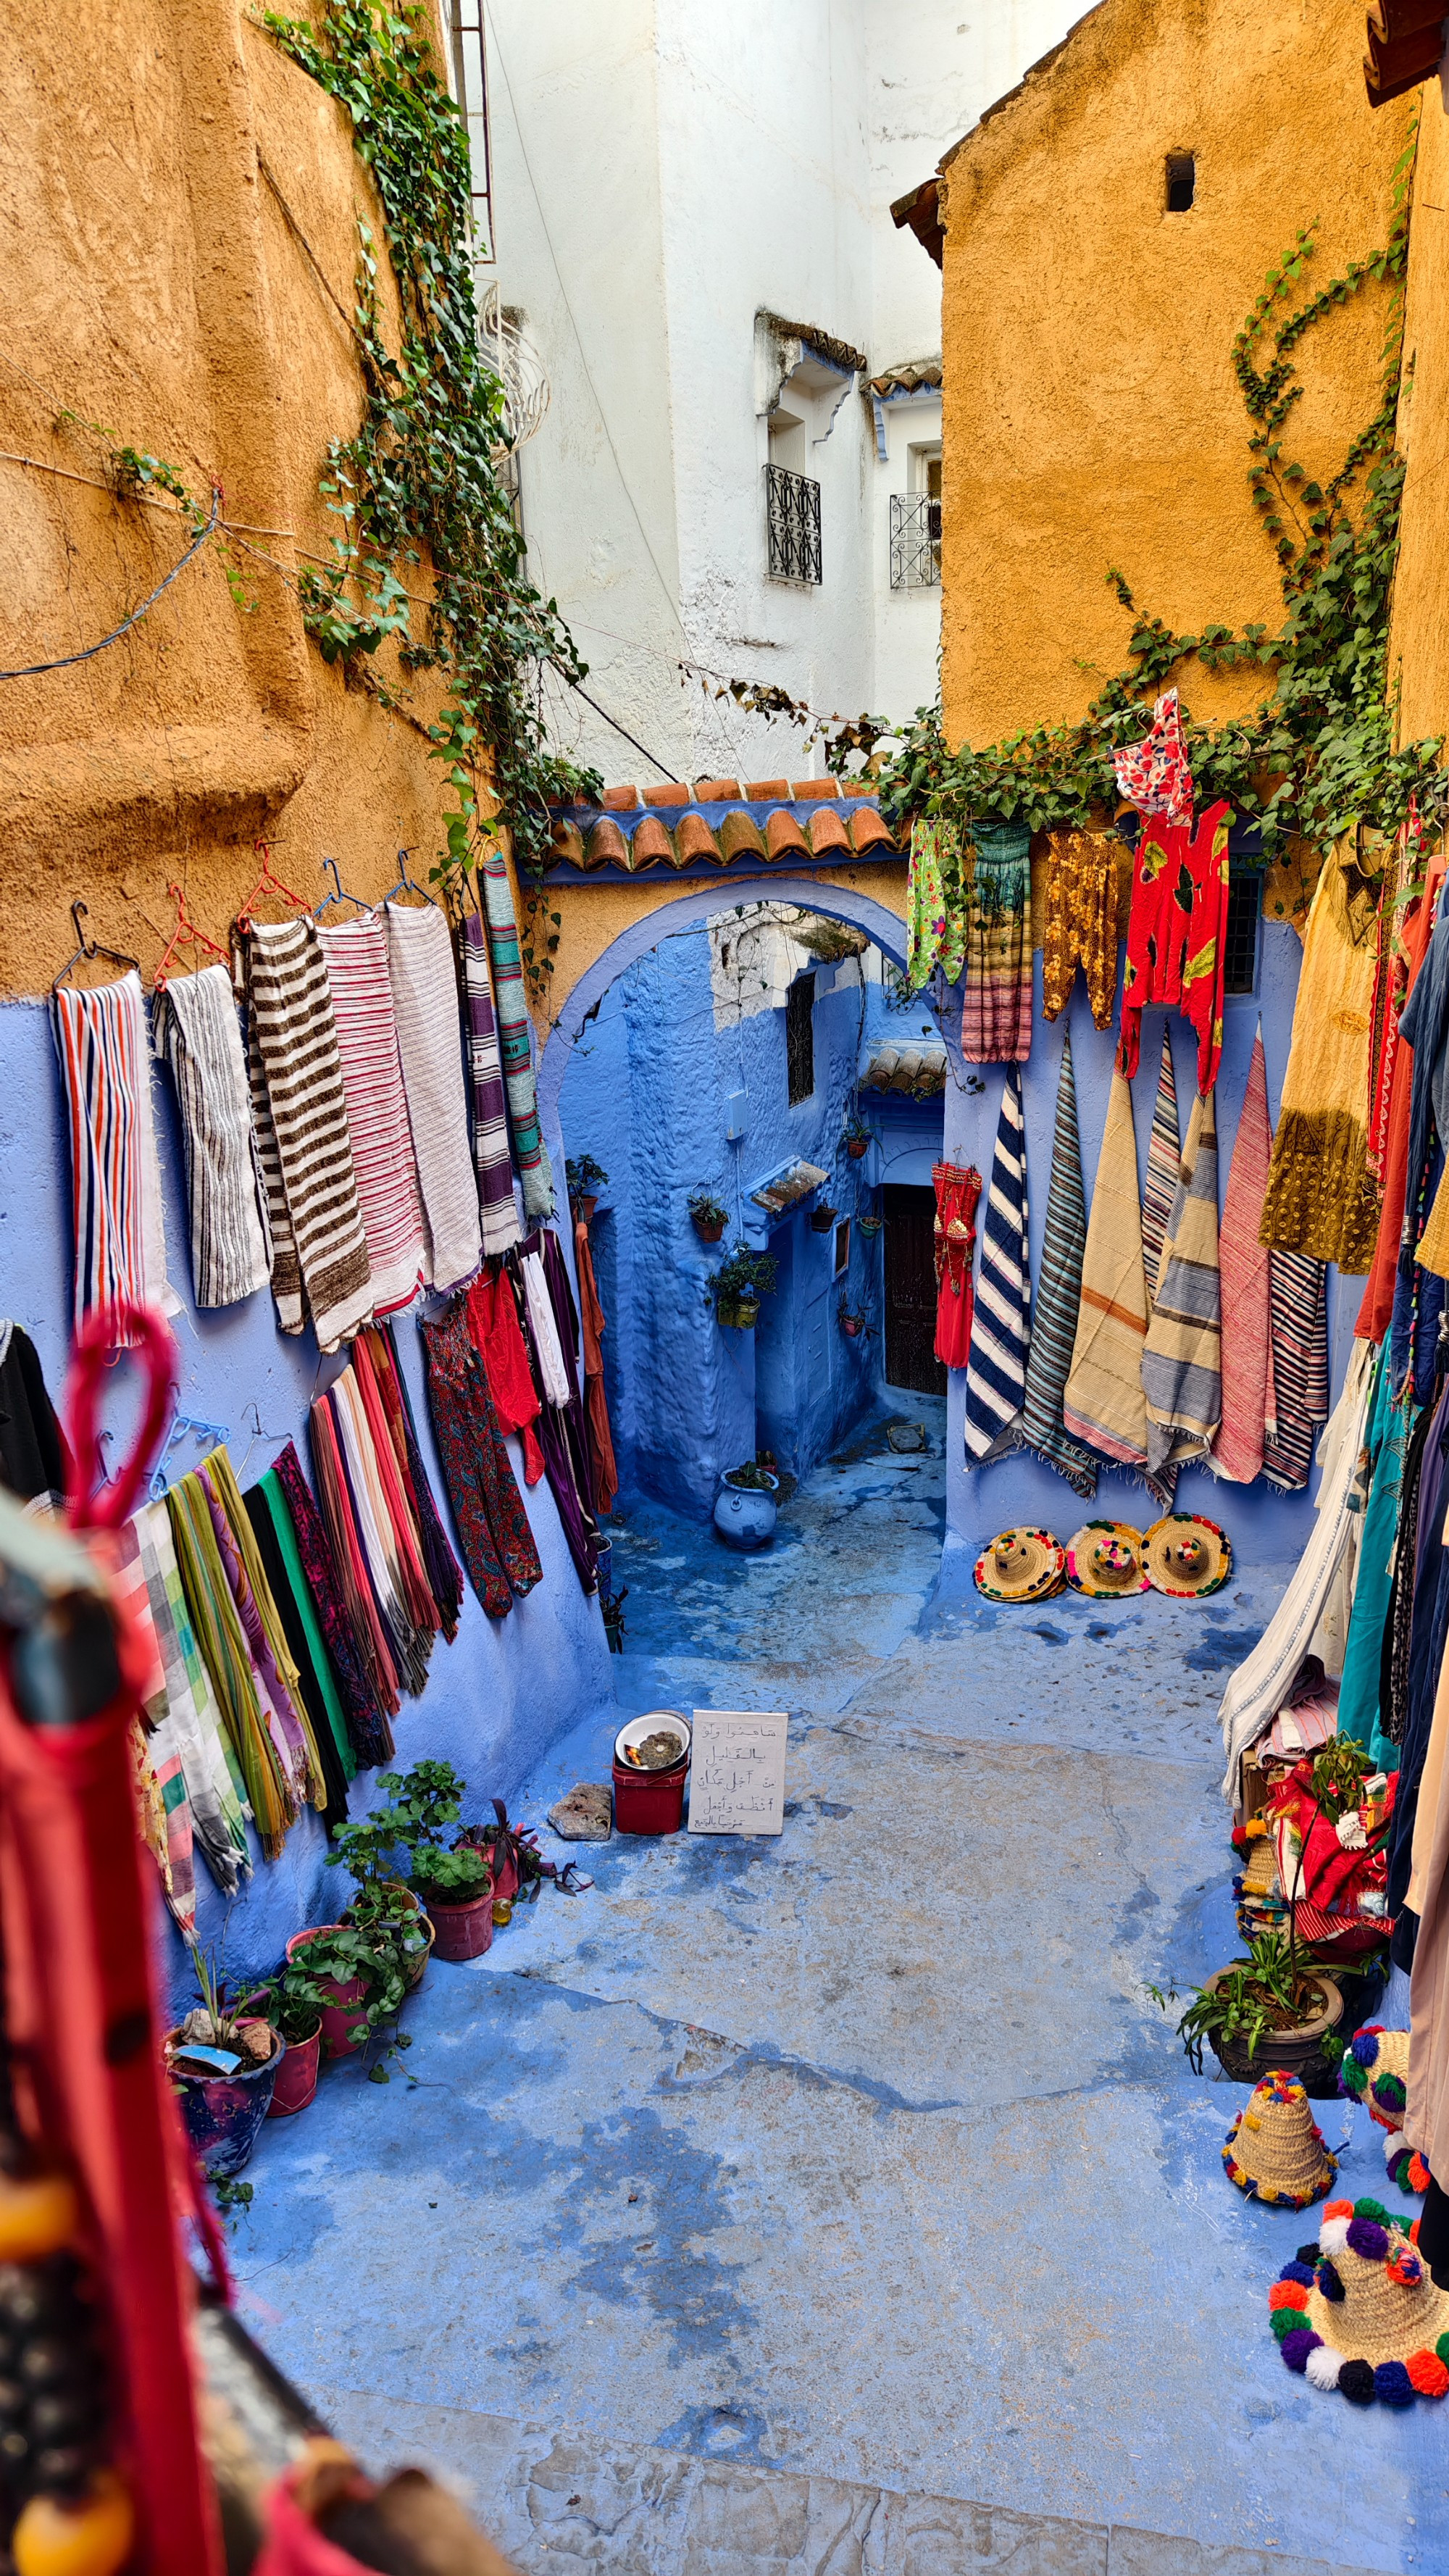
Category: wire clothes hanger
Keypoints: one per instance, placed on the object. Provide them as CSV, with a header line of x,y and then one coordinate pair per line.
x,y
86,950
406,882
341,896
186,932
268,883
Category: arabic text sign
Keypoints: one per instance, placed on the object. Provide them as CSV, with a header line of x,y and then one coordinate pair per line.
x,y
737,1772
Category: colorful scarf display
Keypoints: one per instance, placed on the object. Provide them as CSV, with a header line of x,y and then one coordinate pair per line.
x,y
498,1340
492,1162
1103,1404
1059,1298
1153,774
958,1190
515,1037
1298,1308
1164,1162
488,1514
444,1574
603,1471
368,1730
1001,1324
380,1653
198,1033
935,903
1176,933
356,954
1182,1355
1386,1440
996,1006
299,1115
214,1791
1081,922
1376,1312
120,1241
1321,1196
277,1546
425,1000
219,1634
1249,1412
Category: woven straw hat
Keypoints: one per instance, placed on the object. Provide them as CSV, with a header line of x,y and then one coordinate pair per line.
x,y
1359,2312
1275,2148
1105,1557
1021,1565
1187,1556
1375,2070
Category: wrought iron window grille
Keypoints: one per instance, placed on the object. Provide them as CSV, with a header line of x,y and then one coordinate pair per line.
x,y
792,522
915,541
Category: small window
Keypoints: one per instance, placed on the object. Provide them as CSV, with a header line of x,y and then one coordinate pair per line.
x,y
1181,181
842,1247
1240,940
800,1038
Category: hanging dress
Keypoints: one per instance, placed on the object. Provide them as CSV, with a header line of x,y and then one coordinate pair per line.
x,y
958,1189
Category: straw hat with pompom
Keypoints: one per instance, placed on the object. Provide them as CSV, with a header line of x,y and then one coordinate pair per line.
x,y
1105,1558
1375,2070
1021,1565
1359,2312
1187,1556
1275,2150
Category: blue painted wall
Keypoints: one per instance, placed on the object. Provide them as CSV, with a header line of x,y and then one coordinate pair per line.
x,y
495,1700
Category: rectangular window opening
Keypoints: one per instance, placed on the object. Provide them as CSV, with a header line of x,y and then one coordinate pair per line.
x,y
1181,182
842,1247
800,1039
1240,940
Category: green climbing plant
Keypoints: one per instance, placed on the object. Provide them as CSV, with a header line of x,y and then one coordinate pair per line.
x,y
420,484
1318,753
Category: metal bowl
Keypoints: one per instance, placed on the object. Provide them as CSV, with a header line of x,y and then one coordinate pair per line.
x,y
634,1731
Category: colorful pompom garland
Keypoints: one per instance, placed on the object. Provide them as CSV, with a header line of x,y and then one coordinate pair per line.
x,y
1362,2225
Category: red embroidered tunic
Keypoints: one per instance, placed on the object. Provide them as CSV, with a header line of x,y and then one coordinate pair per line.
x,y
1176,934
957,1190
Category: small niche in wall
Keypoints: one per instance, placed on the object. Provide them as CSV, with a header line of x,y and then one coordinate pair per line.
x,y
842,1247
1181,182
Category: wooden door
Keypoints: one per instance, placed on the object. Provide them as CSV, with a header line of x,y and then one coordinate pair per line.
x,y
910,1291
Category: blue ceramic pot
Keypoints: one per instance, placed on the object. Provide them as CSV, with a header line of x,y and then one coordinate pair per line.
x,y
223,2113
744,1515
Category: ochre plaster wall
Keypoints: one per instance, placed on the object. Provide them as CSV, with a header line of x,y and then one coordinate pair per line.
x,y
153,285
1092,416
1419,648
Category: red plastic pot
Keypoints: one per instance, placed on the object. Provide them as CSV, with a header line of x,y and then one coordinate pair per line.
x,y
707,1231
344,2020
649,1802
504,1867
463,1931
296,2077
857,1147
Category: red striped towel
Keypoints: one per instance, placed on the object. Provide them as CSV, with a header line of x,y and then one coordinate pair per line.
x,y
1248,1406
377,1109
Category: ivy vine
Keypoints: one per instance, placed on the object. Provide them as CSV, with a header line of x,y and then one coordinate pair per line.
x,y
1317,755
419,484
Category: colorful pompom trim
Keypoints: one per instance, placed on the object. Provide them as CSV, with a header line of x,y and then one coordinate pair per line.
x,y
1392,2383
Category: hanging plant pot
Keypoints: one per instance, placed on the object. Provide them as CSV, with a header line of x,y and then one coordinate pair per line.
x,y
822,1219
857,1148
710,1229
739,1314
584,1206
869,1226
852,1326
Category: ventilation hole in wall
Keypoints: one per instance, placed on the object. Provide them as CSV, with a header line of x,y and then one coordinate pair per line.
x,y
1181,181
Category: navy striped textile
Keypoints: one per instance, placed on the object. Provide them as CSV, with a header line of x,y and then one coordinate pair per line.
x,y
1001,1326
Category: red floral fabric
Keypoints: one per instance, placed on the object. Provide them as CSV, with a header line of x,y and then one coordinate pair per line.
x,y
1176,934
1153,774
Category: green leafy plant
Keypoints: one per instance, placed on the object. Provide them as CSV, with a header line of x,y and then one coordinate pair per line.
x,y
451,1877
1268,1992
745,1275
1339,1772
706,1209
292,2000
369,1954
584,1176
753,1478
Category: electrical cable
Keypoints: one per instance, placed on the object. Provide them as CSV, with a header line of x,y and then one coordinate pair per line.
x,y
653,757
35,670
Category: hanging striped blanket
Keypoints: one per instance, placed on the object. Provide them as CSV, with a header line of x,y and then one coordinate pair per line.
x,y
1001,1324
515,1036
1164,1162
1058,1298
120,1243
377,1109
299,1111
1182,1355
1104,1403
198,1033
425,998
1299,1362
1248,1417
491,1159
996,1007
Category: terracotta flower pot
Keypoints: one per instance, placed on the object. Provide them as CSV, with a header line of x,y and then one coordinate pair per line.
x,y
463,1931
857,1147
296,2077
709,1229
822,1219
585,1204
851,1326
344,2019
1296,2052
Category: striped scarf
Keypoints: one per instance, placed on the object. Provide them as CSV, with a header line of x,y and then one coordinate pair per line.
x,y
198,1033
1058,1298
1299,1364
1182,1355
377,1109
299,1112
1001,1325
425,998
515,1036
1103,1403
1164,1161
996,1006
491,1159
212,1780
120,1243
222,1642
369,1731
1248,1395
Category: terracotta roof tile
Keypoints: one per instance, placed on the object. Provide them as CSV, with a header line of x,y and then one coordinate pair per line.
x,y
607,847
651,845
767,791
716,791
827,832
740,832
1403,50
673,794
804,787
868,832
857,787
568,841
694,840
782,832
619,800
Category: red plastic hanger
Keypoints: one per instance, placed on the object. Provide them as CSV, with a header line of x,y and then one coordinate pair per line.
x,y
268,883
185,930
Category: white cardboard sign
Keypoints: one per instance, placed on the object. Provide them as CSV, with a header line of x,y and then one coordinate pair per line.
x,y
737,1772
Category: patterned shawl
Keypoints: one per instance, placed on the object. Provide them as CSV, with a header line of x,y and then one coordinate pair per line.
x,y
1182,1355
1299,1366
299,1113
1322,1199
199,1034
377,1109
488,1104
996,1008
1249,1412
105,1068
1153,774
425,997
1058,1298
514,1035
1164,1161
1001,1324
1103,1402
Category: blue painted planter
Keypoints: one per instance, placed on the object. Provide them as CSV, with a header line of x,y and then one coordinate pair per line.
x,y
744,1515
223,2113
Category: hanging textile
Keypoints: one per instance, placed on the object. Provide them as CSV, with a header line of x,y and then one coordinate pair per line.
x,y
32,1446
218,1631
498,1340
1260,1686
562,1427
935,902
492,1162
1176,934
105,1071
296,1754
1395,1658
1426,2111
1392,1118
488,1514
958,1189
1298,1367
515,1036
1164,1162
1390,991
1386,1440
215,1795
543,1331
1081,922
405,1621
1321,1198
1001,1323
393,1505
444,1574
198,1033
355,953
1429,1633
425,1000
1103,1403
1182,1355
603,1471
164,1815
381,1653
277,1546
1248,1395
996,1006
1153,774
1059,1298
299,1112
370,1735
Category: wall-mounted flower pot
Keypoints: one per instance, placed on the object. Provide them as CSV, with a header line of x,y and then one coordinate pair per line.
x,y
584,1205
222,2113
739,1314
709,1229
463,1931
822,1219
852,1326
869,1226
745,1515
857,1147
344,2017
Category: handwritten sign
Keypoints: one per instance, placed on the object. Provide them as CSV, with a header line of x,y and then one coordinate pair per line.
x,y
737,1772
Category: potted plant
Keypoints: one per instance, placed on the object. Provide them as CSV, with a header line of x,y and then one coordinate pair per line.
x,y
585,1180
224,2063
454,1881
857,1137
745,1506
511,1851
291,2002
823,1217
362,1981
852,1324
376,1853
1267,2011
739,1284
710,1215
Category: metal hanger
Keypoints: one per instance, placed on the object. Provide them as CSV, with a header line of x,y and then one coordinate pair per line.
x,y
406,882
186,931
268,883
86,950
341,896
